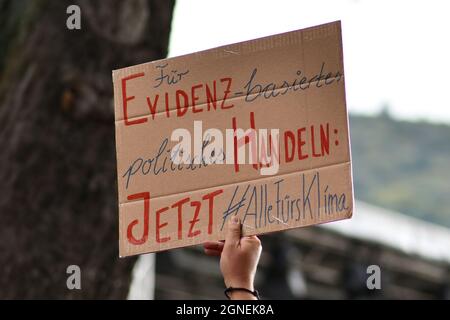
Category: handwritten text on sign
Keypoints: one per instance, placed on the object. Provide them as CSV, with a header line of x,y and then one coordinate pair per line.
x,y
256,129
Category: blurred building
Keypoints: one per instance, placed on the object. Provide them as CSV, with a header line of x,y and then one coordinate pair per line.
x,y
329,261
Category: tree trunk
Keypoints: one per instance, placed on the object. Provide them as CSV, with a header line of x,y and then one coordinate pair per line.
x,y
58,202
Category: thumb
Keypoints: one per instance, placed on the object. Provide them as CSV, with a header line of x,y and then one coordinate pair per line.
x,y
233,235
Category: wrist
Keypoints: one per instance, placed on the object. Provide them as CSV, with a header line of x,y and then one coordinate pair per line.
x,y
241,295
247,284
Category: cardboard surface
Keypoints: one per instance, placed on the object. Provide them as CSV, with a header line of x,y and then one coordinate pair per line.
x,y
292,82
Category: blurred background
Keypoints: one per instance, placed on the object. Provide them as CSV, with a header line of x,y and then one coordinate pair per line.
x,y
58,192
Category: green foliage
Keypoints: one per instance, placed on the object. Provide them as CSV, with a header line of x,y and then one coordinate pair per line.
x,y
402,165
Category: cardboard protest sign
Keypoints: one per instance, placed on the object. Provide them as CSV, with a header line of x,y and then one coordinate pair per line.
x,y
257,129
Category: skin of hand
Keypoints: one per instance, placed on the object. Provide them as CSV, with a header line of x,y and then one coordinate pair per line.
x,y
239,257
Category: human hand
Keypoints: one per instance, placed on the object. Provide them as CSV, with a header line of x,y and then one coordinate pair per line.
x,y
239,259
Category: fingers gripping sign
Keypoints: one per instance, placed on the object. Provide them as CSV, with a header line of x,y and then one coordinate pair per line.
x,y
239,257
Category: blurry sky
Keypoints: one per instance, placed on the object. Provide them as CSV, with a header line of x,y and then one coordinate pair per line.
x,y
396,52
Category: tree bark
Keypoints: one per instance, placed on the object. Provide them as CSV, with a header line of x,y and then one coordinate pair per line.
x,y
58,191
